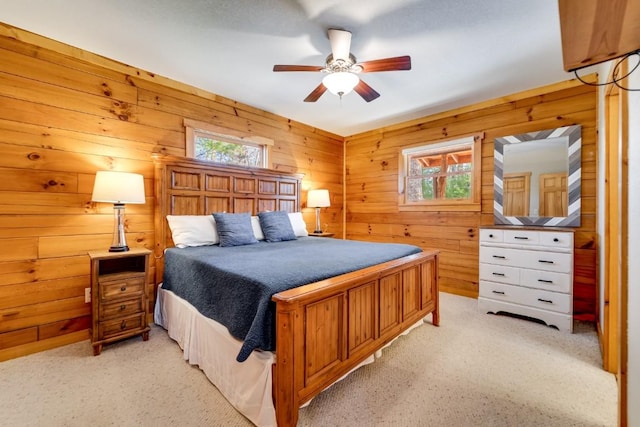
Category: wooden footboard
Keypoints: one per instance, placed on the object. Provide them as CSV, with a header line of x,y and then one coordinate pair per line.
x,y
327,328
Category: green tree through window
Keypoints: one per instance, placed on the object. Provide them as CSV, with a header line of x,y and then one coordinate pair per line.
x,y
215,150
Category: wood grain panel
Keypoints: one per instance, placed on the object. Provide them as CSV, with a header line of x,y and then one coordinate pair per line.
x,y
362,315
390,300
411,299
19,337
323,336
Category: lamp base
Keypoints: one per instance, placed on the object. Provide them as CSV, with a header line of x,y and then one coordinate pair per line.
x,y
119,242
318,227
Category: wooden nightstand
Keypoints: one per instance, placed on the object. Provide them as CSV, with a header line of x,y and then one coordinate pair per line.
x,y
321,234
119,296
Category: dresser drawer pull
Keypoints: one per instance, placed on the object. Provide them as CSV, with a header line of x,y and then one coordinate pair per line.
x,y
555,239
544,261
498,274
521,238
498,292
123,325
123,307
548,301
545,281
123,288
499,256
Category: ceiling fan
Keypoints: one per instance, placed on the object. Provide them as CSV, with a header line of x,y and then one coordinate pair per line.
x,y
342,69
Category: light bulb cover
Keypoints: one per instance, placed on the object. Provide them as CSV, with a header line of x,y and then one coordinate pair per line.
x,y
341,82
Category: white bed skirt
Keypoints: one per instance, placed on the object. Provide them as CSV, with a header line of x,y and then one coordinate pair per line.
x,y
208,344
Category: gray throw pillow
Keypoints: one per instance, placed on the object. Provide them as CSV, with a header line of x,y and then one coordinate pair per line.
x,y
276,226
234,229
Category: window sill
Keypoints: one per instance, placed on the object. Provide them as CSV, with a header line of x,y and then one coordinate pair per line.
x,y
441,207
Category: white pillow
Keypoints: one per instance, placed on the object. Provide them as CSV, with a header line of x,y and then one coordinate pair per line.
x,y
257,229
298,224
193,230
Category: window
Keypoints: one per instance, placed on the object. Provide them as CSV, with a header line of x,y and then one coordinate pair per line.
x,y
220,145
441,176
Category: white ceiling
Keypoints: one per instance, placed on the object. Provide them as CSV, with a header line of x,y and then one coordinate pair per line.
x,y
463,51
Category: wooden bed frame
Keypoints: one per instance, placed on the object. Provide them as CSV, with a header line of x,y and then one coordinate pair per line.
x,y
324,329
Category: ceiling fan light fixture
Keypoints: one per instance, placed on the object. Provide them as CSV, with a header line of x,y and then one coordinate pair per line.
x,y
340,83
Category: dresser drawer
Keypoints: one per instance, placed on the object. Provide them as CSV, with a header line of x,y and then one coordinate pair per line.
x,y
118,326
501,256
499,273
522,237
491,235
539,260
120,308
538,298
548,261
126,287
548,280
556,239
546,300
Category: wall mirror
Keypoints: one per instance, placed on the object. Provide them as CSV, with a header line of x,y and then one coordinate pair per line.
x,y
537,178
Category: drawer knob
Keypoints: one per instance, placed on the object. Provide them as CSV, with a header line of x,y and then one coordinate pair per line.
x,y
548,301
521,238
123,288
545,281
498,274
555,239
498,292
499,256
544,261
123,325
122,307
491,236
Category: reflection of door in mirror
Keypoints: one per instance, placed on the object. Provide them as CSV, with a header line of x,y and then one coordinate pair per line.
x,y
553,194
517,186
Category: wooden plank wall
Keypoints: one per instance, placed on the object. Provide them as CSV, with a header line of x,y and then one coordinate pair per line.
x,y
372,183
66,113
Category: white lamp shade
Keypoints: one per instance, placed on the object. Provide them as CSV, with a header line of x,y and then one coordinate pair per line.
x,y
318,198
340,83
118,187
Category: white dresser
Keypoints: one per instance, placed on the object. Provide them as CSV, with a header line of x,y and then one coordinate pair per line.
x,y
528,272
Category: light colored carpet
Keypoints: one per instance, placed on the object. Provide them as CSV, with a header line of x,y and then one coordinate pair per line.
x,y
473,370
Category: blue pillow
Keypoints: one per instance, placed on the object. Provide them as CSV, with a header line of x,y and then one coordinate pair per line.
x,y
234,229
276,226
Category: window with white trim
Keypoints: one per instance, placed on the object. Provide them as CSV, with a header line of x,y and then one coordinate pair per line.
x,y
213,143
441,176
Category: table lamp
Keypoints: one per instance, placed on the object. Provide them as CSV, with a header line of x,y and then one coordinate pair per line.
x,y
318,199
118,188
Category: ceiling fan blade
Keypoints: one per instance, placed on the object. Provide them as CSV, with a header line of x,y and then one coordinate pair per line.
x,y
340,43
316,94
386,64
297,68
365,91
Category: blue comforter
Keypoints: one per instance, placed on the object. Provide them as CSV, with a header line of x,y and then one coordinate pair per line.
x,y
234,285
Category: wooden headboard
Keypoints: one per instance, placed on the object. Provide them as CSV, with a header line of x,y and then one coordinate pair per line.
x,y
186,186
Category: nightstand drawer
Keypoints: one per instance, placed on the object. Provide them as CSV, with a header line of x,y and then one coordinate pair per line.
x,y
121,325
120,308
126,287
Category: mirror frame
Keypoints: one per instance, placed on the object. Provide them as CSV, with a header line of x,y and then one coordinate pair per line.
x,y
574,156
